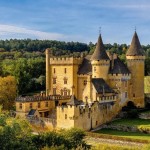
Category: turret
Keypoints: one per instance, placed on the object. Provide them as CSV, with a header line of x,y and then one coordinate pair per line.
x,y
100,61
135,62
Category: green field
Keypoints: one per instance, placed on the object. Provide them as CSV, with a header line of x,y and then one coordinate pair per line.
x,y
132,135
147,84
131,122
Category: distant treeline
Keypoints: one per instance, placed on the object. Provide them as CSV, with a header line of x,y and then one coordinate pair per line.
x,y
25,59
40,45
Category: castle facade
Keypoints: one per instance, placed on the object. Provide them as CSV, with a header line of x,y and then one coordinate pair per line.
x,y
88,91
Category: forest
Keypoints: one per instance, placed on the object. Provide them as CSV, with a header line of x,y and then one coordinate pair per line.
x,y
25,60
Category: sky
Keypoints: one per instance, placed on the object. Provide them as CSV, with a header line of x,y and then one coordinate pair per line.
x,y
75,20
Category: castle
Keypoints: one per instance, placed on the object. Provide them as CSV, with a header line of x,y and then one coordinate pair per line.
x,y
88,91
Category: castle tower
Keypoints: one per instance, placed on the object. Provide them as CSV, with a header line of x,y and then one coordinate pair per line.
x,y
47,71
135,62
100,61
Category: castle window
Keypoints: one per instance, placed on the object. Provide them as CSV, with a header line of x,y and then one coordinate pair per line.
x,y
94,69
65,81
65,92
30,105
61,92
125,83
54,91
85,82
54,80
65,116
54,70
88,115
134,95
46,104
126,94
39,104
96,123
69,92
20,105
65,70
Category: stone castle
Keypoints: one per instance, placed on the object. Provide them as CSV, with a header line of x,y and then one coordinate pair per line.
x,y
88,91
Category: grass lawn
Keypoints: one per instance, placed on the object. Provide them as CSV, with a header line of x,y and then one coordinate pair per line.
x,y
131,122
132,135
147,84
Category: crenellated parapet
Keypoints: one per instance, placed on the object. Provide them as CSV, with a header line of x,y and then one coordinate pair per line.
x,y
66,60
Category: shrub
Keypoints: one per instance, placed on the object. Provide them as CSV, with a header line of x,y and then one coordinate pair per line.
x,y
132,114
144,128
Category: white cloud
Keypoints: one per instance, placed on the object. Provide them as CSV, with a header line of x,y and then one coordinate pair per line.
x,y
9,31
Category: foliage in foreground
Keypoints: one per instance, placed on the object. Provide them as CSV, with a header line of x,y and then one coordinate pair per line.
x,y
8,88
17,134
119,147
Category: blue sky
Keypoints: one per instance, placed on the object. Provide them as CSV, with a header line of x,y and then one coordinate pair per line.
x,y
75,20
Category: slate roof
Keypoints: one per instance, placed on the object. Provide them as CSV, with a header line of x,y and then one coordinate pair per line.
x,y
119,67
86,67
99,52
135,48
32,112
73,101
101,86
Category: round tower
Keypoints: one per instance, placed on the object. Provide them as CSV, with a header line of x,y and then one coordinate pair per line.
x,y
100,61
135,62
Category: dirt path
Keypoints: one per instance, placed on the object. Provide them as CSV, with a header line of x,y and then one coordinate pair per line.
x,y
94,141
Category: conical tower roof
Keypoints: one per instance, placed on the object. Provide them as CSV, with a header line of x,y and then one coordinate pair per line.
x,y
99,52
135,48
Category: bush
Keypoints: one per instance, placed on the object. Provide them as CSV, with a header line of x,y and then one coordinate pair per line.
x,y
132,114
144,128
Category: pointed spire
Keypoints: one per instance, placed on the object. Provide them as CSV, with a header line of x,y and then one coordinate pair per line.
x,y
135,48
99,52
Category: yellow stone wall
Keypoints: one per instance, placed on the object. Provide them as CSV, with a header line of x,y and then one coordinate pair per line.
x,y
97,114
64,117
26,107
120,83
85,118
57,67
100,69
81,87
136,67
